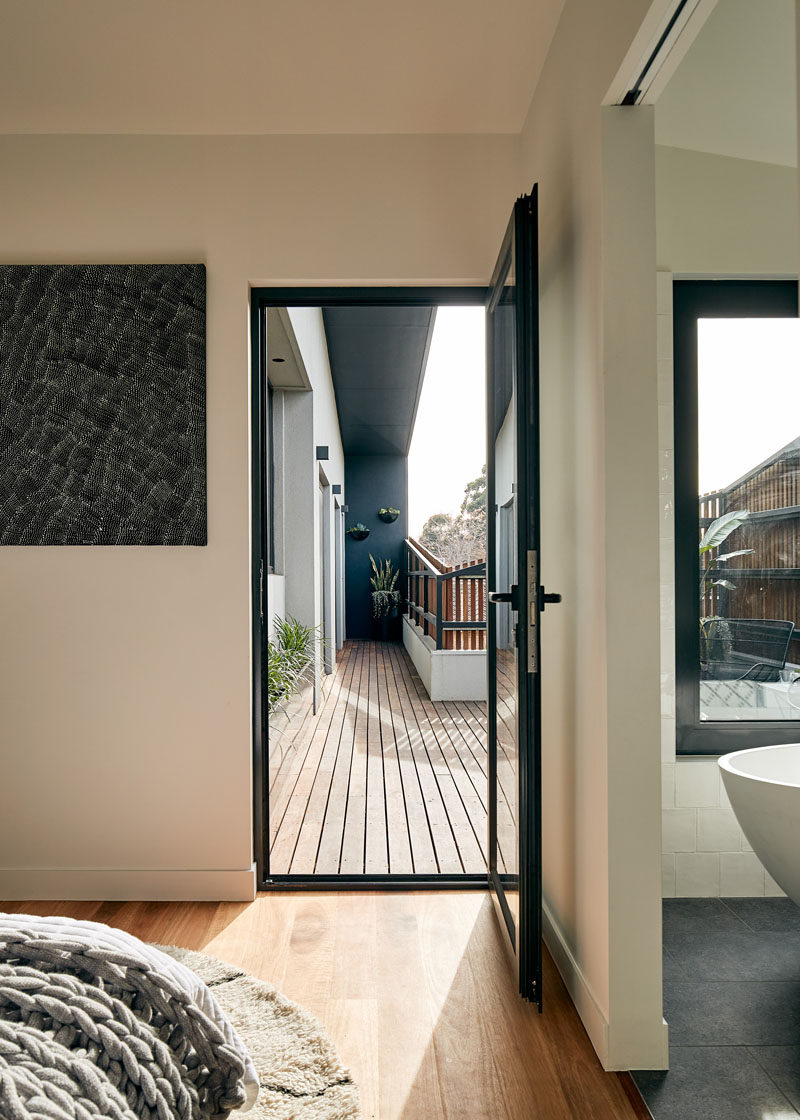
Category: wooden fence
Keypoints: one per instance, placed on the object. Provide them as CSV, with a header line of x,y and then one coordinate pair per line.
x,y
766,580
447,603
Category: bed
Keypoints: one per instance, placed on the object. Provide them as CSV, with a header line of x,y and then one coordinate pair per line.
x,y
94,1023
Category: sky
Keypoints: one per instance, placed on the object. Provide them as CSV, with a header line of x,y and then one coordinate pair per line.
x,y
448,447
748,395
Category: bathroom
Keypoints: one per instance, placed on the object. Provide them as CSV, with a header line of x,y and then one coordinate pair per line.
x,y
728,245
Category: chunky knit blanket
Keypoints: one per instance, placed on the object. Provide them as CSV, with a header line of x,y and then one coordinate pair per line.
x,y
95,1024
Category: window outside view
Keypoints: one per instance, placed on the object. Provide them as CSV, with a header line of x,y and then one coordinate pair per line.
x,y
749,518
446,466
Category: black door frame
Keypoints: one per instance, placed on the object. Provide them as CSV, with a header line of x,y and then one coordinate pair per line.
x,y
520,248
262,298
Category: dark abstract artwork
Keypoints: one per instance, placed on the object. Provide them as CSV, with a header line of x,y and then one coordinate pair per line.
x,y
102,404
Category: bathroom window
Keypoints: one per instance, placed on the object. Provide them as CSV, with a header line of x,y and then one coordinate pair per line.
x,y
737,514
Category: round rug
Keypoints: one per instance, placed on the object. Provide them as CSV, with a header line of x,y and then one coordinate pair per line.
x,y
299,1070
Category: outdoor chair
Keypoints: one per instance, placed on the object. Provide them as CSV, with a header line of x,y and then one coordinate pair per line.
x,y
739,649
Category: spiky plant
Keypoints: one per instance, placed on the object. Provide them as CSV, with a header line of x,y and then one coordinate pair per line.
x,y
385,596
290,656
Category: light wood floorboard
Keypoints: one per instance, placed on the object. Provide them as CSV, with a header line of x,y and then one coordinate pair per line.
x,y
415,991
380,780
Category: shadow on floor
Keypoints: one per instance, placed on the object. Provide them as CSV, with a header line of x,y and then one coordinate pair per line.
x,y
492,1055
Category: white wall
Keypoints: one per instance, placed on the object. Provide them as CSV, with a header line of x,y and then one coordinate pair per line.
x,y
125,682
309,420
505,465
723,216
276,601
601,841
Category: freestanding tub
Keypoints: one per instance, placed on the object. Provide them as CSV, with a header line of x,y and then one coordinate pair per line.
x,y
763,785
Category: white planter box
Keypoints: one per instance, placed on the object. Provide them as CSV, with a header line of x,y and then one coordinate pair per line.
x,y
448,674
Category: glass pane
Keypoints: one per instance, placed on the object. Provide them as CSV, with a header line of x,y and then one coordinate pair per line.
x,y
503,502
749,518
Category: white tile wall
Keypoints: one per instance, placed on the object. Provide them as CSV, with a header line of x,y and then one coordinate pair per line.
x,y
705,852
697,875
717,831
771,887
741,873
668,785
697,783
678,830
668,875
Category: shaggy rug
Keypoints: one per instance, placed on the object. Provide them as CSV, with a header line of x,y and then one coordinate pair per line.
x,y
299,1070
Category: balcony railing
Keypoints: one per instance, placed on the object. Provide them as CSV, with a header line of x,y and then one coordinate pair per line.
x,y
447,603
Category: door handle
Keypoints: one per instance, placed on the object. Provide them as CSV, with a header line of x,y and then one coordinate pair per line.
x,y
504,596
546,597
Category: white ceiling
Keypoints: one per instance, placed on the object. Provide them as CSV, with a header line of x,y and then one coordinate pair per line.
x,y
734,94
259,66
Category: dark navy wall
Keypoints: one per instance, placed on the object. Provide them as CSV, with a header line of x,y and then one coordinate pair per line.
x,y
372,482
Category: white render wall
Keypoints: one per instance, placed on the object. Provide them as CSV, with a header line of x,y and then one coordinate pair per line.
x,y
311,421
448,674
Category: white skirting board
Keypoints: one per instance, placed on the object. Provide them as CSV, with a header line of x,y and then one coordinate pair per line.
x,y
113,885
592,1015
623,1049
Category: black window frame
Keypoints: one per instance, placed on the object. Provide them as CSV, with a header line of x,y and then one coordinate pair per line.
x,y
270,488
693,300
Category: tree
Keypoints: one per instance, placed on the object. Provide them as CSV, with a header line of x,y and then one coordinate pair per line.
x,y
457,540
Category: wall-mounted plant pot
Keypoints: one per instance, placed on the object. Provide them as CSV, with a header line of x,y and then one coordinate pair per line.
x,y
388,517
358,534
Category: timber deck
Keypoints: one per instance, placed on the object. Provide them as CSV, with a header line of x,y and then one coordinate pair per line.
x,y
381,780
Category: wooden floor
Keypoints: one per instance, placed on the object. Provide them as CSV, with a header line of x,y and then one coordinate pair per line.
x,y
381,780
414,990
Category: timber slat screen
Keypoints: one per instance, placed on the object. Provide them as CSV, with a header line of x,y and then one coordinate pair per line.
x,y
447,603
767,580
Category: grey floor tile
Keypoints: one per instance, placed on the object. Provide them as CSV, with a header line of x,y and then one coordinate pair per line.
x,y
712,1083
777,914
726,1013
682,916
782,1063
736,955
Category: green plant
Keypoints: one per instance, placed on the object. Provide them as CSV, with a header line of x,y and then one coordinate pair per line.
x,y
718,647
716,534
290,655
389,509
359,527
385,596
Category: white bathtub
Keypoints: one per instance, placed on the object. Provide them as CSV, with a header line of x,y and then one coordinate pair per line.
x,y
763,784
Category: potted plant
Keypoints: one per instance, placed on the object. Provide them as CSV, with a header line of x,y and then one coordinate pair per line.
x,y
385,599
717,648
359,531
388,514
291,655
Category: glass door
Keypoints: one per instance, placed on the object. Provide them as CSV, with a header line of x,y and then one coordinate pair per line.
x,y
515,595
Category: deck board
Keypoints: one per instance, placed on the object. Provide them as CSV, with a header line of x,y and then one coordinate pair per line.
x,y
380,780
